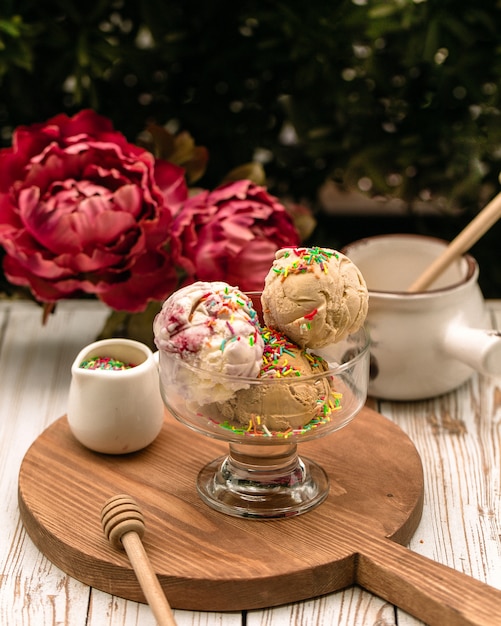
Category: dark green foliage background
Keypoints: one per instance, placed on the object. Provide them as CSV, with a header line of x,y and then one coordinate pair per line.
x,y
404,94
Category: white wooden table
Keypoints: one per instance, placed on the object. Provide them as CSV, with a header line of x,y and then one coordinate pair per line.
x,y
457,435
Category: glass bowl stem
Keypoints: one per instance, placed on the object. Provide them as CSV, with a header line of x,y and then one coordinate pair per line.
x,y
255,481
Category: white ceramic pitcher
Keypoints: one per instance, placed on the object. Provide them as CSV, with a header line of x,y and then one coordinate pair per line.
x,y
426,343
116,411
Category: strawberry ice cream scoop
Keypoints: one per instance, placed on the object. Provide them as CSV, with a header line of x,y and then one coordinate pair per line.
x,y
213,328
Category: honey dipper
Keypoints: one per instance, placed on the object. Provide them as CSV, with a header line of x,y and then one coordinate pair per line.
x,y
123,526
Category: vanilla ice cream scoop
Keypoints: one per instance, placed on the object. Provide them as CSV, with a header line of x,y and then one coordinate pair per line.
x,y
315,296
213,328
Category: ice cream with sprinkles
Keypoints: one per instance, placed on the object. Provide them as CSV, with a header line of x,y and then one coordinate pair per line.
x,y
314,295
214,328
295,395
263,378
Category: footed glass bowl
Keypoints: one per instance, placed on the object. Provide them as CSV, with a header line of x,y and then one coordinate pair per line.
x,y
263,420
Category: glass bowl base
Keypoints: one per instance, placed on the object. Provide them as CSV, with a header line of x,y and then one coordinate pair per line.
x,y
258,491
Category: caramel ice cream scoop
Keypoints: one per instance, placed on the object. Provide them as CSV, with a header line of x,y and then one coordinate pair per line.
x,y
315,296
295,391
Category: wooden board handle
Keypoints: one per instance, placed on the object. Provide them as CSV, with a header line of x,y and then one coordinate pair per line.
x,y
434,593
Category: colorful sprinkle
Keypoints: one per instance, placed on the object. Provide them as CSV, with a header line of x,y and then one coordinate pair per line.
x,y
310,316
306,261
105,363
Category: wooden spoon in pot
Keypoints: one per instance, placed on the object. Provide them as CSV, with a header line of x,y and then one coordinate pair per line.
x,y
479,225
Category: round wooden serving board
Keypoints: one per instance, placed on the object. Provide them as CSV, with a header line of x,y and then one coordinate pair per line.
x,y
206,560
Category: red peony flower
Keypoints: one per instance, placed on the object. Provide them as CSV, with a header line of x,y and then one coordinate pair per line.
x,y
232,234
84,211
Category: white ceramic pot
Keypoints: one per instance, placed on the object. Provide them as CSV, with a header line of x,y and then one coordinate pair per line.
x,y
427,343
116,411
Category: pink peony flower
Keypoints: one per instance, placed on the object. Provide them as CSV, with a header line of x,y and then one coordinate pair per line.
x,y
232,234
84,211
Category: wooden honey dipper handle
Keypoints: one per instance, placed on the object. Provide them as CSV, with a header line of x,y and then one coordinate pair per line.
x,y
123,526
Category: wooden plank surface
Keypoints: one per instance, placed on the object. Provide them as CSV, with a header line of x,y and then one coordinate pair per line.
x,y
35,363
458,437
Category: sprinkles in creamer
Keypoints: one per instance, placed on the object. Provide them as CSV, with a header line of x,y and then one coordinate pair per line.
x,y
105,363
305,260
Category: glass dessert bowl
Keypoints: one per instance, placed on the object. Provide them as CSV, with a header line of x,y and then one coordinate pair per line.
x,y
263,420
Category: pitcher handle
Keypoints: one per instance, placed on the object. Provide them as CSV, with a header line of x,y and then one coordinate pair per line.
x,y
478,348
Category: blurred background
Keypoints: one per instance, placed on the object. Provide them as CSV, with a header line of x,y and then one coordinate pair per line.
x,y
379,115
